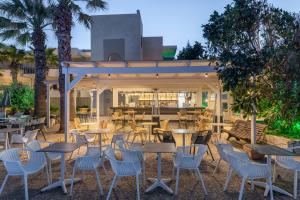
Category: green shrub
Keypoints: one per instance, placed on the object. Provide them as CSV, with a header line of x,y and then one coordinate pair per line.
x,y
22,98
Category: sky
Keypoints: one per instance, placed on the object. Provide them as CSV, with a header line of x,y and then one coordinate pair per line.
x,y
178,21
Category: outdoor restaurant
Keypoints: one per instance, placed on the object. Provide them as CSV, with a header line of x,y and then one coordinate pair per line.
x,y
132,118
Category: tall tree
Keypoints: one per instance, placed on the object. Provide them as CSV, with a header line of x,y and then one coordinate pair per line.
x,y
25,21
244,38
195,52
63,20
14,58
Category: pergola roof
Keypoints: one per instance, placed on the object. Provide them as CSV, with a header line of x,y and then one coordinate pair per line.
x,y
182,73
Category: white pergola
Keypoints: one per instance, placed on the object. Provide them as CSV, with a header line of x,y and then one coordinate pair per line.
x,y
102,75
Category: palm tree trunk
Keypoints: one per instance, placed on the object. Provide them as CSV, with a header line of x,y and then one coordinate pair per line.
x,y
38,41
63,22
14,73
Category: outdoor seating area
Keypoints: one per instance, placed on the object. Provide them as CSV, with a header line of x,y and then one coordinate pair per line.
x,y
121,163
145,100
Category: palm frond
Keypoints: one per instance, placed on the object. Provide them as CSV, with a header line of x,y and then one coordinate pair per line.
x,y
9,34
23,38
84,19
96,4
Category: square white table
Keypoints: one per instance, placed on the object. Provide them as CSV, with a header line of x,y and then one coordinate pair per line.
x,y
62,148
182,132
98,132
159,148
269,151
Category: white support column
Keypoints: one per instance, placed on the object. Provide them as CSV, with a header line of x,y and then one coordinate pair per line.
x,y
92,101
67,106
97,107
75,99
253,125
48,105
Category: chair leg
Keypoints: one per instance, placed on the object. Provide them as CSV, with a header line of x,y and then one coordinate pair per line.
x,y
104,168
242,188
50,171
26,187
47,174
274,172
137,187
270,187
217,166
201,180
210,152
99,182
72,180
295,183
111,187
177,181
252,185
229,175
3,184
144,171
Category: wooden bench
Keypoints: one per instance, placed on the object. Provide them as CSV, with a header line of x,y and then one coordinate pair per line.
x,y
241,130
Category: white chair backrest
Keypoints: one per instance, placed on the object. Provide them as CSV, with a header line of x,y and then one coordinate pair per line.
x,y
31,135
132,156
34,145
237,160
80,139
221,148
200,153
86,162
11,159
37,159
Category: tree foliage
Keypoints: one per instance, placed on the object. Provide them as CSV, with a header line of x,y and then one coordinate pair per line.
x,y
195,52
254,43
21,97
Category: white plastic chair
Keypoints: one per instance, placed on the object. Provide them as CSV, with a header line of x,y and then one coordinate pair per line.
x,y
51,157
14,167
88,163
190,162
290,163
240,163
122,169
220,148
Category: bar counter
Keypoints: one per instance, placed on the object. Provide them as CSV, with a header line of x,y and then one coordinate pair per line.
x,y
163,110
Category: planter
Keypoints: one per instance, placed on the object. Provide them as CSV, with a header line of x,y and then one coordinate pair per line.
x,y
253,155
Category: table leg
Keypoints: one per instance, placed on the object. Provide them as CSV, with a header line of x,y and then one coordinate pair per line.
x,y
159,182
183,140
266,186
6,141
62,181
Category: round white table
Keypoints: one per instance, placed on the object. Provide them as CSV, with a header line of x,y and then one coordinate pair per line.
x,y
149,124
182,132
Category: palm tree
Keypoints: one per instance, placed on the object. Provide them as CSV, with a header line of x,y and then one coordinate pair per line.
x,y
64,12
14,58
25,21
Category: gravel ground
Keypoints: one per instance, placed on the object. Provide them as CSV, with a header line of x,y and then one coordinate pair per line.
x,y
189,188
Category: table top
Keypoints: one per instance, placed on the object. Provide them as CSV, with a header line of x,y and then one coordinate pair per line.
x,y
9,130
98,131
159,148
182,131
271,150
149,123
60,147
